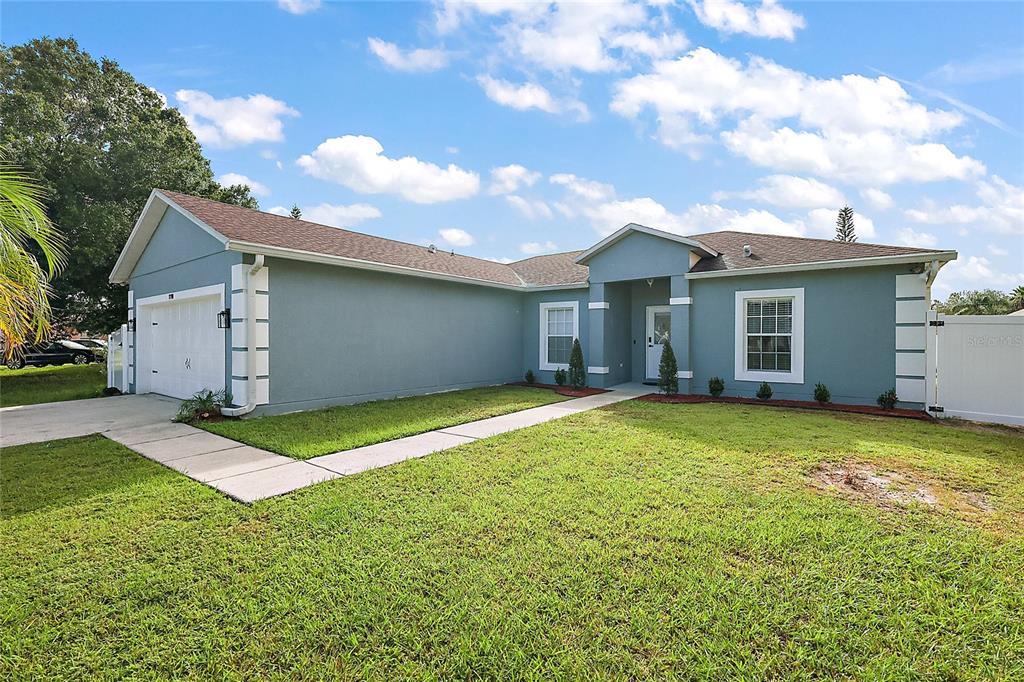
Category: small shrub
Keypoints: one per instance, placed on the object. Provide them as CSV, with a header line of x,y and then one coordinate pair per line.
x,y
577,372
888,399
668,370
716,386
560,377
821,393
202,405
111,390
529,376
764,391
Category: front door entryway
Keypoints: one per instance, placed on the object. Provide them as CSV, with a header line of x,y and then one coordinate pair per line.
x,y
659,325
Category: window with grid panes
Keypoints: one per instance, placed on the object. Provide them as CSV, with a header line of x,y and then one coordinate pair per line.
x,y
769,331
560,329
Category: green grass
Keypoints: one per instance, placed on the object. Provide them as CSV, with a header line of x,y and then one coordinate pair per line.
x,y
31,385
308,434
640,541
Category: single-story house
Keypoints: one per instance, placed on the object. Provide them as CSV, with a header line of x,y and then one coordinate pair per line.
x,y
291,315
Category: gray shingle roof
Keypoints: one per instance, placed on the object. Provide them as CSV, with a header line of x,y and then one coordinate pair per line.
x,y
267,229
769,249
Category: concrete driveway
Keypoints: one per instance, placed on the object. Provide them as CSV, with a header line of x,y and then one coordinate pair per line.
x,y
49,421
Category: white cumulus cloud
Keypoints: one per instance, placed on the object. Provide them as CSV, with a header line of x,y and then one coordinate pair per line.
x,y
788,191
456,237
530,208
1001,209
411,60
358,162
335,215
910,237
767,20
525,96
877,198
233,121
537,248
258,188
507,179
299,6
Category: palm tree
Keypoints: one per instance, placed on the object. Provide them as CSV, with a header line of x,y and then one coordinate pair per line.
x,y
1017,298
24,276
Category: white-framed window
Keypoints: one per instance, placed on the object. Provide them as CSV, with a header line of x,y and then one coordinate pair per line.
x,y
770,336
559,325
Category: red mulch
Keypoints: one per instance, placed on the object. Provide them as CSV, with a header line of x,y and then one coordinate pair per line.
x,y
563,390
900,412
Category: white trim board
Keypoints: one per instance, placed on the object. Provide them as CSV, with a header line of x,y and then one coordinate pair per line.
x,y
796,373
599,305
680,300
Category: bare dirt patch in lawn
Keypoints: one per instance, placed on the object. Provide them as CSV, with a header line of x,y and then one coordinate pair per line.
x,y
896,489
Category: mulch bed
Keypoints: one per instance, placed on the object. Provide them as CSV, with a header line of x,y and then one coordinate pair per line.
x,y
900,412
563,390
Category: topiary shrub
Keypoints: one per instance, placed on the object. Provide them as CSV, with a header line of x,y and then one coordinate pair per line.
x,y
716,386
560,377
529,376
577,372
888,399
668,370
202,405
821,393
764,391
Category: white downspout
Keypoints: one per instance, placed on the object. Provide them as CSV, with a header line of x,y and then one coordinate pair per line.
x,y
250,340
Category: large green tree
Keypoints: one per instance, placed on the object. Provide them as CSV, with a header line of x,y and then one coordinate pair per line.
x,y
98,141
984,302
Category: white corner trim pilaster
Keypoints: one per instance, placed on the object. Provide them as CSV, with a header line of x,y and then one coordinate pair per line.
x,y
129,346
680,300
684,374
598,305
598,370
911,338
241,346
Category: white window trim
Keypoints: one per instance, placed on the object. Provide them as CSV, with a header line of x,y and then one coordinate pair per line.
x,y
796,373
544,308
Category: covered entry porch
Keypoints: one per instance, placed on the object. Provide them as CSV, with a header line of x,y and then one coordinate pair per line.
x,y
629,322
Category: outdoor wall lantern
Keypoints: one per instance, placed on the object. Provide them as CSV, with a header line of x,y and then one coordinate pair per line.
x,y
224,319
131,324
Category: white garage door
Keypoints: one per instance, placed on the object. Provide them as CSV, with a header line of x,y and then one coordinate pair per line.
x,y
181,349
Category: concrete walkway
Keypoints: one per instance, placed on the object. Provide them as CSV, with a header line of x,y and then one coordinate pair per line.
x,y
245,473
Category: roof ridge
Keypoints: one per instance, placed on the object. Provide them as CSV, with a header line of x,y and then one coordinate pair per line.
x,y
343,229
547,255
815,239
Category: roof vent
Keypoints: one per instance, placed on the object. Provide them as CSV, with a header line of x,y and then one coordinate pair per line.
x,y
432,249
747,251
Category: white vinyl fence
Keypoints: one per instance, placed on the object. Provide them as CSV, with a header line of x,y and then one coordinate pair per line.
x,y
117,362
975,367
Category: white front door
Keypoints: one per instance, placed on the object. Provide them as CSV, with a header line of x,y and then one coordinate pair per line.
x,y
182,348
659,327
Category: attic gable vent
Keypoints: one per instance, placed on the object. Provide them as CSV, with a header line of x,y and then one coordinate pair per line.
x,y
747,251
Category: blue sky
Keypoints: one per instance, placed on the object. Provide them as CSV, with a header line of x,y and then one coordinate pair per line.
x,y
505,129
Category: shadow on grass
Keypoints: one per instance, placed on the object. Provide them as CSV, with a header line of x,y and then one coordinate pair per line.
x,y
66,472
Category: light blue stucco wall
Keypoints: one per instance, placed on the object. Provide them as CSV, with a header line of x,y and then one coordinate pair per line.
x,y
179,256
340,335
849,332
642,296
639,256
530,332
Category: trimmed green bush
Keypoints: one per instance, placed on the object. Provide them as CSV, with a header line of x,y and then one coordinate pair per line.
x,y
764,391
668,370
888,399
577,372
560,377
529,376
821,393
716,386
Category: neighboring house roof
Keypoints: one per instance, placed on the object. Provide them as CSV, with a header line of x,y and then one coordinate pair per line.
x,y
251,231
768,251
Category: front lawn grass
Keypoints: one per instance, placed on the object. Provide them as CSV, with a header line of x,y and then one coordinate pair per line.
x,y
31,385
308,434
639,541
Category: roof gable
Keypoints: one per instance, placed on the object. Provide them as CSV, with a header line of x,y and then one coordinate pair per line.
x,y
632,228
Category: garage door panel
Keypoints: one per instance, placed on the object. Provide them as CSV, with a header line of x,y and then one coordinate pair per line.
x,y
185,349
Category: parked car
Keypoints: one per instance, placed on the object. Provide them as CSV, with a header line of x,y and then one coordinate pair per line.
x,y
97,346
52,353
